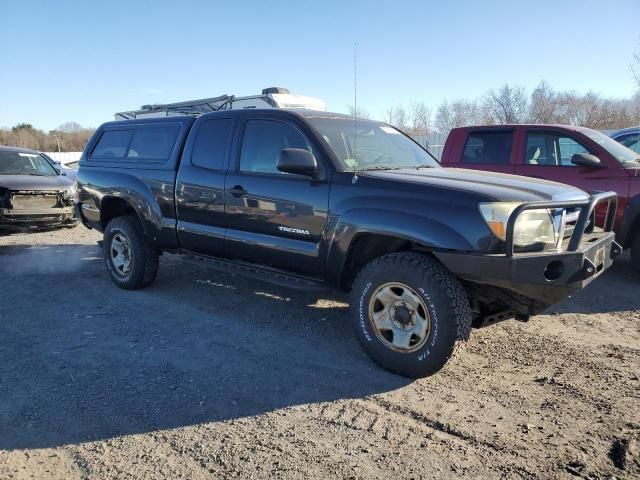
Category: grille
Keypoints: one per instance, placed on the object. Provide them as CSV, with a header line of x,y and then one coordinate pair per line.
x,y
570,220
22,201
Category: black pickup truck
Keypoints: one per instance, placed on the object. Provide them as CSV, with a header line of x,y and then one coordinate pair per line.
x,y
315,199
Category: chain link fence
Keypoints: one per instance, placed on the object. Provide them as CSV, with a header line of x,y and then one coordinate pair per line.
x,y
64,157
434,143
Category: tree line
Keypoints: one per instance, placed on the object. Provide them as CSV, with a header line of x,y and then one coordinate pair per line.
x,y
68,137
507,104
511,104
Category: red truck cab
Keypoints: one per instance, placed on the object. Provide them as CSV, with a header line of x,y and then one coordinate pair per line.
x,y
577,156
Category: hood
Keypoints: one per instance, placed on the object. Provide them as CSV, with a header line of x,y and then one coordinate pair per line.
x,y
32,182
497,186
632,169
70,173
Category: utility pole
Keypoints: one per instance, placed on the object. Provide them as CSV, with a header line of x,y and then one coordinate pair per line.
x,y
57,139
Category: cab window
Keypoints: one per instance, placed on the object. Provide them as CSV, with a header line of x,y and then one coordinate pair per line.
x,y
488,148
262,142
211,144
145,143
113,144
551,149
153,142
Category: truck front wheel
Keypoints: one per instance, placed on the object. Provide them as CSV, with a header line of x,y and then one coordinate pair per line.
x,y
410,313
131,261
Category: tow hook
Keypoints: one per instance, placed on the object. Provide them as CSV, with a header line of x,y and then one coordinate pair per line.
x,y
616,249
588,269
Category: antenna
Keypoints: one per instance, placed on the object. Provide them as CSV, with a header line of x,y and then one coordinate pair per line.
x,y
355,110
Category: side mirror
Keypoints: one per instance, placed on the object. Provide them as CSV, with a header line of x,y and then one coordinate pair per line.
x,y
586,160
298,161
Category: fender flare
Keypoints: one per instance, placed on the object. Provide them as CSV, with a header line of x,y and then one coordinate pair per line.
x,y
430,233
138,195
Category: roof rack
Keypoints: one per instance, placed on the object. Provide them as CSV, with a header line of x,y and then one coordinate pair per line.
x,y
273,97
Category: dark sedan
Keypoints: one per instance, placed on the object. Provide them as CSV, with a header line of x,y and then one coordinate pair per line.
x,y
32,191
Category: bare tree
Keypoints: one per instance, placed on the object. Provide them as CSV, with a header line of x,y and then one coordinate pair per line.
x,y
465,112
458,113
507,105
398,117
70,127
444,118
634,109
591,111
388,115
420,119
635,67
361,113
26,136
543,104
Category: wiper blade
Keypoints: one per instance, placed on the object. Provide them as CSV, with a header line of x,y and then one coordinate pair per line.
x,y
381,167
22,173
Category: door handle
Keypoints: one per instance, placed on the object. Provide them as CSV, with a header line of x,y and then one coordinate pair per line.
x,y
237,191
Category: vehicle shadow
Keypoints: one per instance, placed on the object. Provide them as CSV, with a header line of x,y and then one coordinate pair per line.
x,y
83,360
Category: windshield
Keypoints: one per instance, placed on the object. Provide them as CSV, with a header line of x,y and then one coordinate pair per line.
x,y
21,163
617,150
375,146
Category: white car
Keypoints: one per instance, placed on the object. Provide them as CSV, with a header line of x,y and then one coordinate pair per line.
x,y
64,170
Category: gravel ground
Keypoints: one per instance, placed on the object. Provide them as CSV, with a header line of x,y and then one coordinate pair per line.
x,y
208,375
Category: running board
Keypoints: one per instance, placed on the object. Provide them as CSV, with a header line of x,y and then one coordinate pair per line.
x,y
259,273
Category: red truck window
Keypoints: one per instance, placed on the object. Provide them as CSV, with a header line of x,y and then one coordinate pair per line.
x,y
488,148
551,149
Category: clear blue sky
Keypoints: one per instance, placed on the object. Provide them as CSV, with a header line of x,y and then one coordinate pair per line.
x,y
83,60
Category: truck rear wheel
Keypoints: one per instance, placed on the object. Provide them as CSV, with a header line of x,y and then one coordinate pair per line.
x,y
131,261
410,313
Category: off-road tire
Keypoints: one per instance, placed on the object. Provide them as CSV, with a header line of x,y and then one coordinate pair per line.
x,y
635,253
441,292
144,257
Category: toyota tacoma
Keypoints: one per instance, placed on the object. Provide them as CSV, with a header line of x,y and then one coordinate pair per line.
x,y
314,200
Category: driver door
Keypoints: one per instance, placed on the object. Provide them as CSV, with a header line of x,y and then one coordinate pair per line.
x,y
275,219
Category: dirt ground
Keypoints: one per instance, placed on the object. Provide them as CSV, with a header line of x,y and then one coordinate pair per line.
x,y
208,375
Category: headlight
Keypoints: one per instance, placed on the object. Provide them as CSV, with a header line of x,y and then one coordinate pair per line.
x,y
72,191
533,227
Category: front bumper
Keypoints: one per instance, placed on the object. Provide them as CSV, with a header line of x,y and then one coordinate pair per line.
x,y
545,278
542,279
37,216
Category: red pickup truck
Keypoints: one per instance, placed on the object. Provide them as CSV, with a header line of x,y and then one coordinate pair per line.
x,y
577,156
